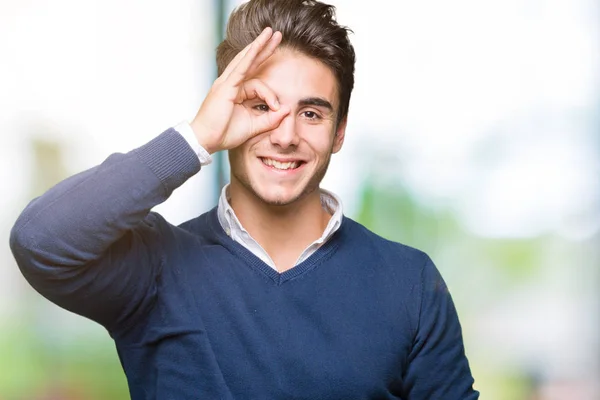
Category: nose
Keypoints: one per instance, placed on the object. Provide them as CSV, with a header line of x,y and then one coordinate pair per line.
x,y
285,134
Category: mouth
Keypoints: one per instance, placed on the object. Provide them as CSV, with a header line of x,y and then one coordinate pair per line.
x,y
282,165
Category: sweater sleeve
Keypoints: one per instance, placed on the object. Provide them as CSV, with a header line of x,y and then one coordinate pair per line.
x,y
438,367
91,245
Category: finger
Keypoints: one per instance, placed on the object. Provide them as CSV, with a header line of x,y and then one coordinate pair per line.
x,y
269,120
239,72
266,52
255,88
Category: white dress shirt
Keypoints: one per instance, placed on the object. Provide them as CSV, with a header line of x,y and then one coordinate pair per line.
x,y
234,229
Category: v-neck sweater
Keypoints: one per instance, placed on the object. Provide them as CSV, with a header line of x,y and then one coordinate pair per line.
x,y
195,315
234,229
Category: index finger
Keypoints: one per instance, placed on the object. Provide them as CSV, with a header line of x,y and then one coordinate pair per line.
x,y
238,72
266,52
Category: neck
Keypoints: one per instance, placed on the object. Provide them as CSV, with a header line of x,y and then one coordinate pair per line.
x,y
283,231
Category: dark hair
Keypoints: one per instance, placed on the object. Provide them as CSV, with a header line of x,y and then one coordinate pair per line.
x,y
308,26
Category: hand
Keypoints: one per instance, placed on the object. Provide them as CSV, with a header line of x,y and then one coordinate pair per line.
x,y
223,121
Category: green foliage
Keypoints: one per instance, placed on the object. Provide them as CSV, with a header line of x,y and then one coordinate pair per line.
x,y
395,214
32,369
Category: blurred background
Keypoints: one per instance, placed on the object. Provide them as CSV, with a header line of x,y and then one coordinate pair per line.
x,y
474,135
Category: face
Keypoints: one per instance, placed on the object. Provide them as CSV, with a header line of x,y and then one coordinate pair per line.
x,y
285,165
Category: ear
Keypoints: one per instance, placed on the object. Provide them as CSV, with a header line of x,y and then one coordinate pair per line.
x,y
340,134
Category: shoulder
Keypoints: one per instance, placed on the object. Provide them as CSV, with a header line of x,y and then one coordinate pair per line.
x,y
155,227
204,227
393,254
403,264
401,273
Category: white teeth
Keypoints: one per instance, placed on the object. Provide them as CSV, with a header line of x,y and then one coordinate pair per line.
x,y
280,165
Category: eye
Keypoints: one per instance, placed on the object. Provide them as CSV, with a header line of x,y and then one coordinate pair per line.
x,y
311,115
261,107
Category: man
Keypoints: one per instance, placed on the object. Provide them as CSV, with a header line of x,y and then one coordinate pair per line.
x,y
273,294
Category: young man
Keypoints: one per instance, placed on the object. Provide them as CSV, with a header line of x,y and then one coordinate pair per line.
x,y
273,294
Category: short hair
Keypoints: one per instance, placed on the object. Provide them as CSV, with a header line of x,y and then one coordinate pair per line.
x,y
307,26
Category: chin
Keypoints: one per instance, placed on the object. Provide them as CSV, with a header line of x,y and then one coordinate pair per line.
x,y
278,196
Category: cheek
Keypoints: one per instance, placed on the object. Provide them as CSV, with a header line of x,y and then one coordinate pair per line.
x,y
318,138
242,151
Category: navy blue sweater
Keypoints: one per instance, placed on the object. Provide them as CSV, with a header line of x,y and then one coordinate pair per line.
x,y
195,315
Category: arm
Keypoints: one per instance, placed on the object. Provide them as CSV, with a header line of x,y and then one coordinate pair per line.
x,y
90,245
437,365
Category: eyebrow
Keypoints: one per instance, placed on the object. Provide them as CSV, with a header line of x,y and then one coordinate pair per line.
x,y
317,102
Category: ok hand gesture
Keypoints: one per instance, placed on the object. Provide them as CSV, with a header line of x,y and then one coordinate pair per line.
x,y
223,121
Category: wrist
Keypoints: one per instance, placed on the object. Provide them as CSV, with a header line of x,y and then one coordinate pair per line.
x,y
203,136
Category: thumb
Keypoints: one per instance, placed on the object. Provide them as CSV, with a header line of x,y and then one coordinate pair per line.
x,y
270,120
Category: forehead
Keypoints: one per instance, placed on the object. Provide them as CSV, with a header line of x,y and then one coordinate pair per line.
x,y
294,76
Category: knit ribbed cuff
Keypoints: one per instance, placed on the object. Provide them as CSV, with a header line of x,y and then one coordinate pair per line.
x,y
171,158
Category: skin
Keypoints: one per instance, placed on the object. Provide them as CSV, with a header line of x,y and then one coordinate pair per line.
x,y
274,103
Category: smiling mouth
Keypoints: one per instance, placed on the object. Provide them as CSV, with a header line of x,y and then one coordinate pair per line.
x,y
282,166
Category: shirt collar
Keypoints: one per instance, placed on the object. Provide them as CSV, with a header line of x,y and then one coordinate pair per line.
x,y
232,226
